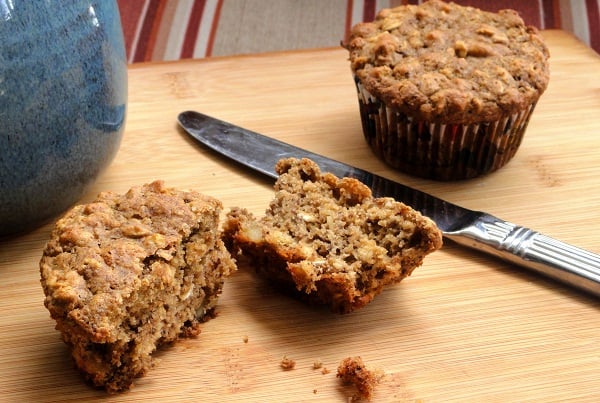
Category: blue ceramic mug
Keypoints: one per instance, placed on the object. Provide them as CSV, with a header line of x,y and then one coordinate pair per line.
x,y
63,97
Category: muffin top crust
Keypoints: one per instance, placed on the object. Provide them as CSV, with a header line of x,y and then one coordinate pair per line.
x,y
442,62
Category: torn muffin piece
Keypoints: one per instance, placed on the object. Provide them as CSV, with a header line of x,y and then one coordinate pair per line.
x,y
328,240
125,274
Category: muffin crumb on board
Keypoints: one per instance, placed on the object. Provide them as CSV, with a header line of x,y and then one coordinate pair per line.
x,y
352,370
287,364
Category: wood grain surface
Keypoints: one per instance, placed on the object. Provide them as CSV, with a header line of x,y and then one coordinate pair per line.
x,y
463,327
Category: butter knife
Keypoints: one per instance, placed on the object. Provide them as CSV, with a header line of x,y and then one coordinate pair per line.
x,y
474,229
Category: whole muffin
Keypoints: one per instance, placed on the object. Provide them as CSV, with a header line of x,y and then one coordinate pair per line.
x,y
446,91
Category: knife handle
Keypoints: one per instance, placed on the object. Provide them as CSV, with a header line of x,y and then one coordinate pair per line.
x,y
563,262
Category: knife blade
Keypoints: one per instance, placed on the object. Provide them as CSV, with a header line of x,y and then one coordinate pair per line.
x,y
478,230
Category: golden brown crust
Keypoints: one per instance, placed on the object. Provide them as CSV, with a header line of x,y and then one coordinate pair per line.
x,y
329,240
126,273
442,62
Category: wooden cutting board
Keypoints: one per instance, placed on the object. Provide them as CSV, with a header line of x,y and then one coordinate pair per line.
x,y
463,327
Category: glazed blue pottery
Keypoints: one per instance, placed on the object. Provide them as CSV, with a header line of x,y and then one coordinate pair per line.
x,y
63,96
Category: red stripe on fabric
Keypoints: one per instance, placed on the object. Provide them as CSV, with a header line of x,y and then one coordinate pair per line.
x,y
549,8
593,14
191,32
557,15
160,8
348,22
369,10
131,12
213,28
146,31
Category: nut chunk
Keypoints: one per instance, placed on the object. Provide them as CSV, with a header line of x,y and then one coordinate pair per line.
x,y
127,273
328,240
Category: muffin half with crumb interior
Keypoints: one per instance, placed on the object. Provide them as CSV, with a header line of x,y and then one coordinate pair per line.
x,y
328,240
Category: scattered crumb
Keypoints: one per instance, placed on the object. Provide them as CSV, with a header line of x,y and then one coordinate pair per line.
x,y
325,371
317,364
287,363
315,391
245,338
352,370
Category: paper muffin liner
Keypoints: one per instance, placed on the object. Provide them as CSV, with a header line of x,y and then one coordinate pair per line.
x,y
436,150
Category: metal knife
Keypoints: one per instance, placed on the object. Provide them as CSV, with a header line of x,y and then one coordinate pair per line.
x,y
475,229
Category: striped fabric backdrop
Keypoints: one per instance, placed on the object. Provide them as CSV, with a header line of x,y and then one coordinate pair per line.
x,y
176,29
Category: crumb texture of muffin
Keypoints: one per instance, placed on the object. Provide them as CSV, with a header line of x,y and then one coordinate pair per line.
x,y
125,274
352,370
446,91
327,240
